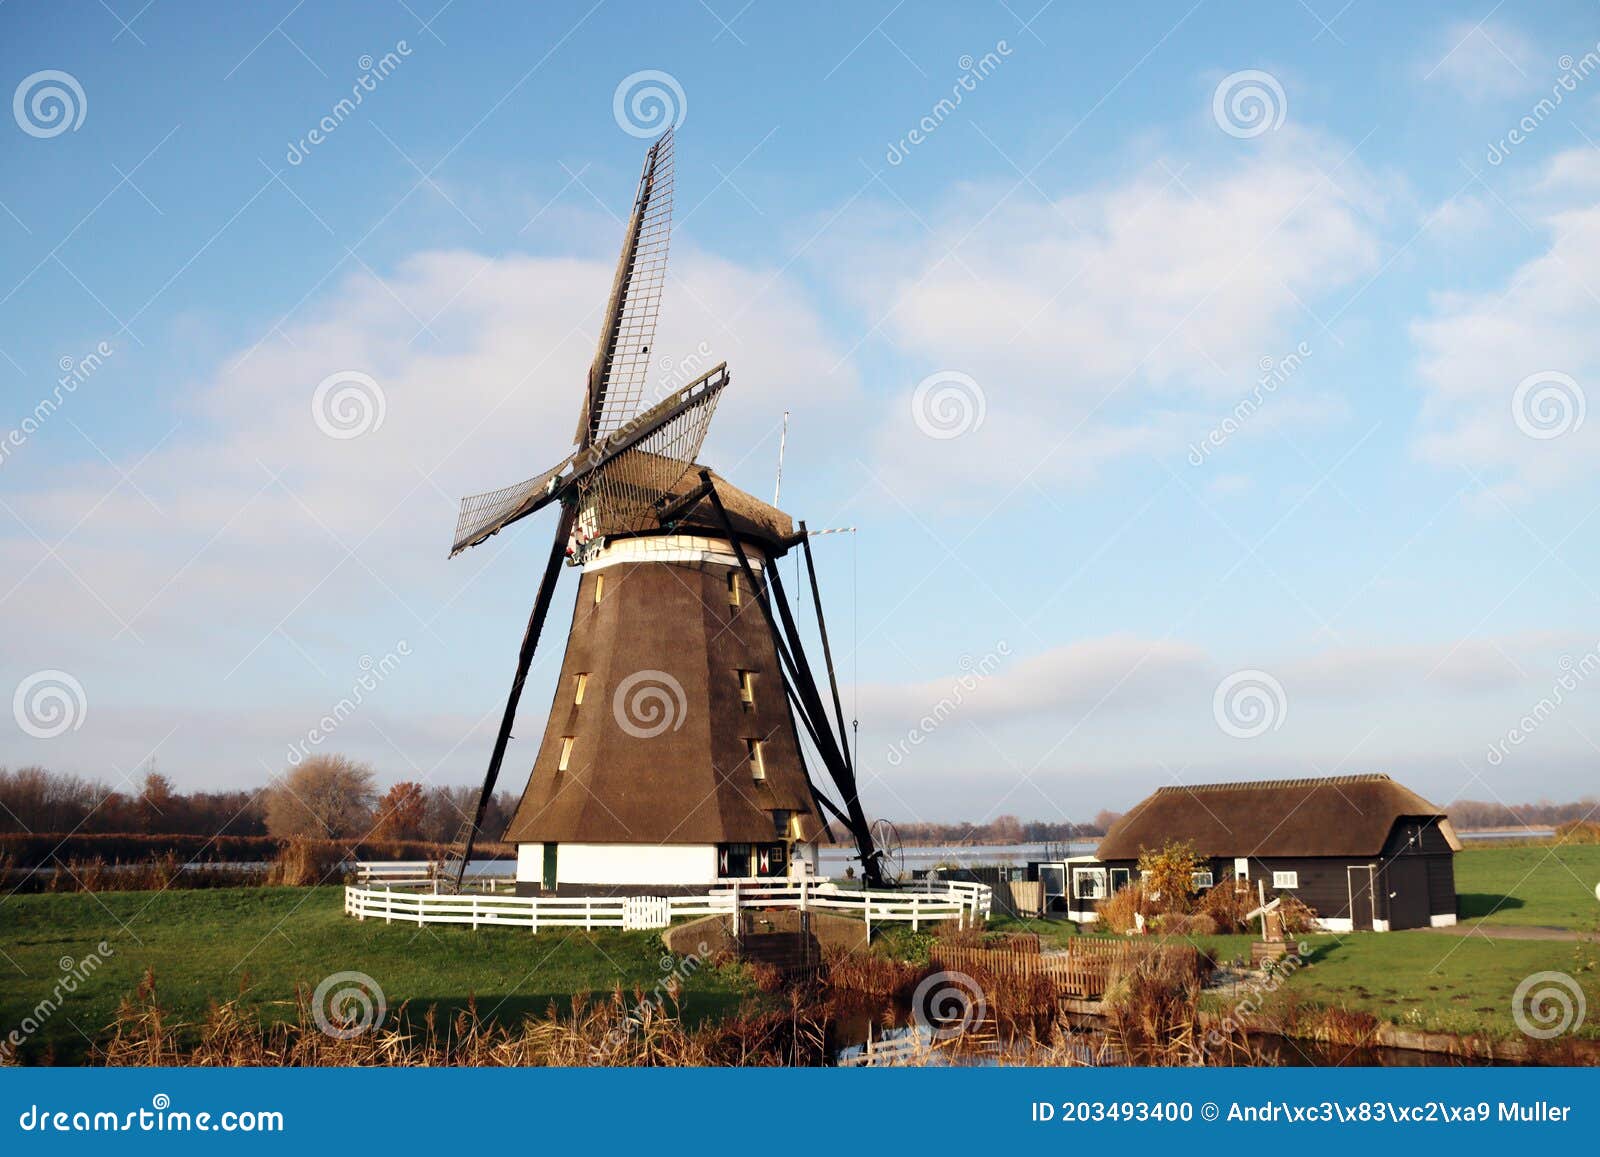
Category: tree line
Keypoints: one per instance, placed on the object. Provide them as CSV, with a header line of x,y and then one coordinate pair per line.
x,y
324,797
1004,830
332,797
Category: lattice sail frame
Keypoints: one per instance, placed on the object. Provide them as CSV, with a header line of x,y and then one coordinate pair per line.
x,y
621,497
622,359
617,482
493,509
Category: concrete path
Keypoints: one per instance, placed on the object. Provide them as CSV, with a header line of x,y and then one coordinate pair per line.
x,y
1513,932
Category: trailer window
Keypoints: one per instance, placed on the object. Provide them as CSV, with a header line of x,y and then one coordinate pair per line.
x,y
1091,883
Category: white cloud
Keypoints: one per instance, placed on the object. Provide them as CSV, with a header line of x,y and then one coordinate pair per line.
x,y
1476,350
1483,60
1108,323
1113,673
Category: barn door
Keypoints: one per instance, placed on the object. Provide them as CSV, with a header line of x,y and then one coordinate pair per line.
x,y
550,867
1359,879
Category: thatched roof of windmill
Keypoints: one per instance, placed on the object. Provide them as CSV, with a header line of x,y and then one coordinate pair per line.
x,y
751,518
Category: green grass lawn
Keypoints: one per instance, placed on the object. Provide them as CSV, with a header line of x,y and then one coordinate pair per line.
x,y
207,946
1550,885
1422,980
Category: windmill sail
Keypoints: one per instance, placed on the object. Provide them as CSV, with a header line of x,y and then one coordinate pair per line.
x,y
622,360
484,514
618,479
620,497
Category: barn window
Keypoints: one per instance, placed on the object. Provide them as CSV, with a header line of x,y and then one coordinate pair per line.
x,y
580,681
747,688
1241,868
758,766
1119,878
1091,883
566,751
1202,878
1286,879
599,587
735,590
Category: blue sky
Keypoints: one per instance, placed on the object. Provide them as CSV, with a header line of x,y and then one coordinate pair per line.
x,y
1090,542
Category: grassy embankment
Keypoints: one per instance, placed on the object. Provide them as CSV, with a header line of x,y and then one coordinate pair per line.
x,y
206,946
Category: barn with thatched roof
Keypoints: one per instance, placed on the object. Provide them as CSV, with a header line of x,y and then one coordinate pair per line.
x,y
1362,850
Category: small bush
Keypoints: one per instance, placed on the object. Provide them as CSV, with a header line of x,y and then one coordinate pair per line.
x,y
1298,916
307,862
1178,924
1226,904
1119,912
1579,832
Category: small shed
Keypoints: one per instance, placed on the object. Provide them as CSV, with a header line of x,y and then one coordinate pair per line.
x,y
1362,850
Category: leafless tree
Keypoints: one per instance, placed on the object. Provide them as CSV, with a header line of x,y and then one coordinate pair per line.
x,y
325,797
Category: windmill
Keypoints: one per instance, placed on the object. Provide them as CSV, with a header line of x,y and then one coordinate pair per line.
x,y
693,630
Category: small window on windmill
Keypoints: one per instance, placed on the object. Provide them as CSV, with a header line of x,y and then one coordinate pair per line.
x,y
566,751
735,588
599,587
780,821
747,689
758,767
580,683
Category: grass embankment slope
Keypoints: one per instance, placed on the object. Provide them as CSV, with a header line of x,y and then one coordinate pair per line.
x,y
259,943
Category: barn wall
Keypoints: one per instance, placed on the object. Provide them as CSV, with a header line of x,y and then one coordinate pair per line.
x,y
1441,890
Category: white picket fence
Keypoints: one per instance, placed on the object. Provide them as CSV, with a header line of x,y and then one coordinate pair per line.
x,y
918,904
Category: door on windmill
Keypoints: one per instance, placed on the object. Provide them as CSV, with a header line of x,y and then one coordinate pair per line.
x,y
741,861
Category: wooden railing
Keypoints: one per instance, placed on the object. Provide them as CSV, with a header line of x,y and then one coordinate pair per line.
x,y
1084,970
417,872
417,901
